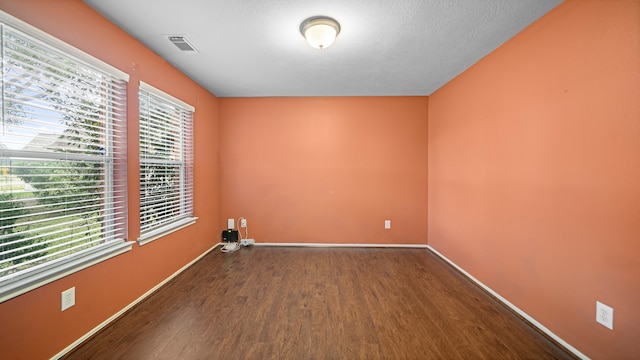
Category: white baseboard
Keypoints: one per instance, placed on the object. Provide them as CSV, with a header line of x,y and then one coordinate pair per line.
x,y
506,302
330,245
132,304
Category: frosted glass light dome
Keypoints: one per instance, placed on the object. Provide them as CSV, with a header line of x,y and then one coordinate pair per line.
x,y
320,31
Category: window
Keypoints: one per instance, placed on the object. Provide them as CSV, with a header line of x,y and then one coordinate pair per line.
x,y
62,159
166,164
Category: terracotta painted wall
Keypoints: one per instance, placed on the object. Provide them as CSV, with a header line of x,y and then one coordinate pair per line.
x,y
534,172
325,170
32,325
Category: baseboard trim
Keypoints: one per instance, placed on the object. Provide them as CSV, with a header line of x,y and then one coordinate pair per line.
x,y
128,307
517,310
330,245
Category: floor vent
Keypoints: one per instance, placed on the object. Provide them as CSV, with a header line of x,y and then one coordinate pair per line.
x,y
182,43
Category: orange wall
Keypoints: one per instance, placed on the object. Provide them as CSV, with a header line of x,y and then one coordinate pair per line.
x,y
534,172
325,170
32,325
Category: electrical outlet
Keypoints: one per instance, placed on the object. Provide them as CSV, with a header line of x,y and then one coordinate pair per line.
x,y
231,224
387,224
604,315
243,222
68,298
247,242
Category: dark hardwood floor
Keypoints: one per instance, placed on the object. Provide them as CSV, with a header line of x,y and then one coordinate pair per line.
x,y
319,303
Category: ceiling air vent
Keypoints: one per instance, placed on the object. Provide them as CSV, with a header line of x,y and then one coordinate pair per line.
x,y
182,43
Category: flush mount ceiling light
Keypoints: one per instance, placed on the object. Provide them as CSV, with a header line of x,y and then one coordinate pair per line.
x,y
320,31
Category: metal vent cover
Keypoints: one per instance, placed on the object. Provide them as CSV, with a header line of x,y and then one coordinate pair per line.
x,y
182,43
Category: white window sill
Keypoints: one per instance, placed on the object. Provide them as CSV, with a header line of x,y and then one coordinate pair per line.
x,y
12,286
165,230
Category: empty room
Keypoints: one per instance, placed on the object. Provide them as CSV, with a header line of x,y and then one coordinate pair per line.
x,y
301,179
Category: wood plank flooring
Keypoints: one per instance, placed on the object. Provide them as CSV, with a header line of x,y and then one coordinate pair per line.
x,y
319,303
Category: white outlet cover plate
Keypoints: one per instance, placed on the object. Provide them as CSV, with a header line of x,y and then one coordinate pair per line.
x,y
604,315
387,224
230,224
243,223
68,298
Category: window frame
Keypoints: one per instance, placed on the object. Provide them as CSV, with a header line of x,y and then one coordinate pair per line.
x,y
186,193
28,279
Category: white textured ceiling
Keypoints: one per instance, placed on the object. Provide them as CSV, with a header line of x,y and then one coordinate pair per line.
x,y
249,48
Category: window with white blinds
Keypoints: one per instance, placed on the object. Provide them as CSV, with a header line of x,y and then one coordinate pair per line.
x,y
62,159
166,163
